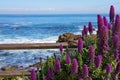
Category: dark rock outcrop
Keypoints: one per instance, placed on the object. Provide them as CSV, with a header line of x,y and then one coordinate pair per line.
x,y
68,37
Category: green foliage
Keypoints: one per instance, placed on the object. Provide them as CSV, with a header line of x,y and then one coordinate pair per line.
x,y
82,58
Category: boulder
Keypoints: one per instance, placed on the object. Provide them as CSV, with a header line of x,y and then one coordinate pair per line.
x,y
68,37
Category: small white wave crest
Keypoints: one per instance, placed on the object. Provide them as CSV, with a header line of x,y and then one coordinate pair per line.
x,y
27,40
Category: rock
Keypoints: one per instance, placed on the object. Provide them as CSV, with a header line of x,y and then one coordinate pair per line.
x,y
35,65
68,37
9,68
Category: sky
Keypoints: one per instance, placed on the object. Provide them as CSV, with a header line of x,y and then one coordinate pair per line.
x,y
57,6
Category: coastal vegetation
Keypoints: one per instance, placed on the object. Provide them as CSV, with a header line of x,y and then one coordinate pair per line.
x,y
96,56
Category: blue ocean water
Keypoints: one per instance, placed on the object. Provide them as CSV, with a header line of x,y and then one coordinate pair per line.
x,y
37,29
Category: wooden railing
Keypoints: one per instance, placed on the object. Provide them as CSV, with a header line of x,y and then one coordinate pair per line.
x,y
33,46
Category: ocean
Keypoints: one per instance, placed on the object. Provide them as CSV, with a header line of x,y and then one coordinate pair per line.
x,y
43,28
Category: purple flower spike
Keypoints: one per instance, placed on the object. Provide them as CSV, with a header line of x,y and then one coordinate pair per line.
x,y
90,28
116,54
118,68
100,23
115,78
47,77
33,75
61,48
80,78
80,44
105,21
83,33
74,66
85,30
104,39
109,26
116,42
108,69
57,65
98,61
112,14
116,27
50,73
85,71
91,52
68,60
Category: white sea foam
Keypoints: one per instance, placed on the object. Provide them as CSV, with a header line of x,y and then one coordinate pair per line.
x,y
23,23
27,40
80,27
24,57
6,24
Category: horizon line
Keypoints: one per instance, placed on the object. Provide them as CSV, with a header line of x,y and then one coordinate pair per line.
x,y
51,13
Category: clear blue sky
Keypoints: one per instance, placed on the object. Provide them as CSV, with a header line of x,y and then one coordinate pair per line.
x,y
57,6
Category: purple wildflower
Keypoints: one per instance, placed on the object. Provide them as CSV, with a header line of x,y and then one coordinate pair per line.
x,y
115,42
109,26
112,14
108,69
115,78
80,78
83,33
98,61
47,77
61,47
90,28
33,75
91,54
85,30
50,73
100,23
104,39
80,44
105,21
85,71
118,68
68,60
74,66
116,28
116,55
57,65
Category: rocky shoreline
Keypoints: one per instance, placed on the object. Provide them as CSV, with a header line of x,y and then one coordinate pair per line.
x,y
17,68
